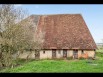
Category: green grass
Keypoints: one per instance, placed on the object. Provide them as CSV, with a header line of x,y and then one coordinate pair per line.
x,y
99,50
55,66
58,66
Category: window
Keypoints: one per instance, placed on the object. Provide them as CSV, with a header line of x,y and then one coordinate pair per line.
x,y
75,51
59,51
64,53
94,49
82,52
44,52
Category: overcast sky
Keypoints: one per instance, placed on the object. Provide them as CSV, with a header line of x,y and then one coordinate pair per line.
x,y
92,14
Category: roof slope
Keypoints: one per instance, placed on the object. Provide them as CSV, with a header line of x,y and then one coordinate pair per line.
x,y
31,20
65,31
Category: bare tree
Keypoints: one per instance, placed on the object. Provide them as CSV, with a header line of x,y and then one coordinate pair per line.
x,y
9,16
12,35
15,35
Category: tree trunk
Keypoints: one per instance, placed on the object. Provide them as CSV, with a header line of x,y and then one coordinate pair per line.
x,y
28,55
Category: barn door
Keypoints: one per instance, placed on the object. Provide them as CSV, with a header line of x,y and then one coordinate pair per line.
x,y
54,53
37,54
75,54
64,53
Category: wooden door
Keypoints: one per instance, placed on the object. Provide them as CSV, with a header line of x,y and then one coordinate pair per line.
x,y
64,53
75,54
54,53
37,54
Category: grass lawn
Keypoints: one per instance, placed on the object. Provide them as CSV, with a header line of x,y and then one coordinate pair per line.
x,y
100,50
57,66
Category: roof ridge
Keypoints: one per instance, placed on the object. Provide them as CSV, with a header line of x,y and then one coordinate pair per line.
x,y
62,14
52,14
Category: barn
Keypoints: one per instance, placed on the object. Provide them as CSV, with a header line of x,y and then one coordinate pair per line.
x,y
66,35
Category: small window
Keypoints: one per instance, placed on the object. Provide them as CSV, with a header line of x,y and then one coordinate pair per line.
x,y
59,51
44,52
94,49
82,52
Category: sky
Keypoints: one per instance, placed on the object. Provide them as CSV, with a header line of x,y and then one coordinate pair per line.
x,y
92,14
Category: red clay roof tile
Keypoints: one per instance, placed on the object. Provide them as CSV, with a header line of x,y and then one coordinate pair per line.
x,y
65,31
